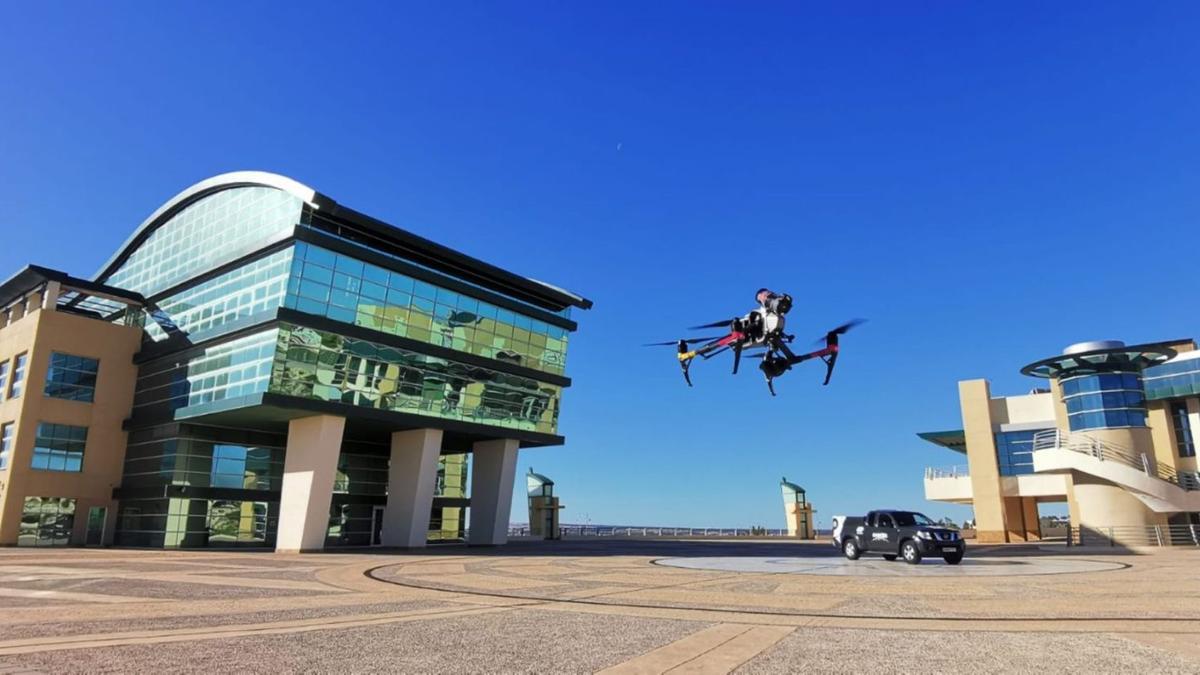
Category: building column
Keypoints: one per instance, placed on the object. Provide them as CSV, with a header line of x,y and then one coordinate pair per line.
x,y
412,476
309,471
1033,524
987,494
493,470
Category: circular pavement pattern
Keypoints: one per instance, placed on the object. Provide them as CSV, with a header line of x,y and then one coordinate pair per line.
x,y
878,567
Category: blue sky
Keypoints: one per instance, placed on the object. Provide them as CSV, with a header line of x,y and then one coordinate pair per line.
x,y
986,184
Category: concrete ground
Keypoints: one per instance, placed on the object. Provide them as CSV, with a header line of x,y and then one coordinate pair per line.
x,y
597,606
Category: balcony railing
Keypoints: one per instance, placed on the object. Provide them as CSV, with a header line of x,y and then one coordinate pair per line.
x,y
1132,535
960,471
1106,451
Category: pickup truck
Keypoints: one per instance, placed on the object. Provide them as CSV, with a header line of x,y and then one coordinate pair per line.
x,y
893,534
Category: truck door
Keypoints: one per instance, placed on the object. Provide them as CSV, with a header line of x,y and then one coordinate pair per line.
x,y
883,534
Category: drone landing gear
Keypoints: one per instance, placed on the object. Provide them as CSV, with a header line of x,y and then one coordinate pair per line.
x,y
773,365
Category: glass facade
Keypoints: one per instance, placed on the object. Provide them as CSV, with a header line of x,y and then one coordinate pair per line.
x,y
1173,379
6,441
449,523
345,289
314,217
71,377
195,523
189,458
59,447
46,521
331,367
228,301
1014,452
206,234
230,472
18,375
228,370
1104,401
1181,424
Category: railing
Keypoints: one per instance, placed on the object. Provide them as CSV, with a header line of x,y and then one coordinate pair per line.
x,y
1111,452
1134,535
947,472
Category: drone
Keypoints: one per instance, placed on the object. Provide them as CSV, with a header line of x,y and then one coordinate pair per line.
x,y
761,330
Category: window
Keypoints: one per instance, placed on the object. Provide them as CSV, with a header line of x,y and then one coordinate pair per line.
x,y
46,521
6,441
59,447
18,376
1014,452
3,379
1183,430
71,377
1104,401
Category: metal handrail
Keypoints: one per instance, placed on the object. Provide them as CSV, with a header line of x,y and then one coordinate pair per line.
x,y
1134,535
958,471
1112,452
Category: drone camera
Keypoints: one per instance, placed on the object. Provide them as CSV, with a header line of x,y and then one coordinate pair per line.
x,y
779,304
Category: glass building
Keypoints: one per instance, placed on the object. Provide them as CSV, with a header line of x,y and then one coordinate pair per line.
x,y
296,357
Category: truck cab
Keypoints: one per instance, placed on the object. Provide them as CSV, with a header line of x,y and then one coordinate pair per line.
x,y
894,533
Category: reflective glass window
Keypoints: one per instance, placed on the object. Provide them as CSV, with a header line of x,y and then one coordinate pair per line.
x,y
1107,400
1173,379
3,379
59,447
229,370
345,289
46,521
18,376
210,232
228,301
1182,425
71,377
6,441
330,367
1014,452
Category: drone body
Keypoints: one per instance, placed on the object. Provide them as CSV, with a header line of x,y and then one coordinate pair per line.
x,y
760,329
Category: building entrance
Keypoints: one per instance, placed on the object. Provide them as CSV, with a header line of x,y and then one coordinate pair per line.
x,y
97,516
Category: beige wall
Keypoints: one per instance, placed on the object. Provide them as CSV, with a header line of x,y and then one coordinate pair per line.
x,y
1025,409
39,333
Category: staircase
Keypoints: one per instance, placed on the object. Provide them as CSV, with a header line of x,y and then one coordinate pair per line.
x,y
1159,487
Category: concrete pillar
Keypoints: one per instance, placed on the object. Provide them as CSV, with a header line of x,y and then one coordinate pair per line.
x,y
50,295
986,488
412,477
1033,525
309,470
1014,519
492,474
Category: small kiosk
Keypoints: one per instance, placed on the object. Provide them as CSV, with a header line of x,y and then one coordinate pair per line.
x,y
797,511
543,506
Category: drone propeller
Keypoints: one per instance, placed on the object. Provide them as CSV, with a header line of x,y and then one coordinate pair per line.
x,y
675,343
715,324
840,330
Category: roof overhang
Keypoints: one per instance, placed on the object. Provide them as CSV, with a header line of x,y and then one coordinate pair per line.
x,y
1124,358
955,440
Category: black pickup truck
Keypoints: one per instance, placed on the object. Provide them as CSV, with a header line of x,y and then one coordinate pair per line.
x,y
895,534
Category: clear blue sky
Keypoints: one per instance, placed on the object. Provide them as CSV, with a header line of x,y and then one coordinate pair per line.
x,y
985,183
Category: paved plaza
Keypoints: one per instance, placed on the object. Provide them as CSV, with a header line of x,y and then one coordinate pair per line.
x,y
615,606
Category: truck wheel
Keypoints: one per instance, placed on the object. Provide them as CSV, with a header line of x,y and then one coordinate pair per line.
x,y
953,558
850,548
911,553
889,557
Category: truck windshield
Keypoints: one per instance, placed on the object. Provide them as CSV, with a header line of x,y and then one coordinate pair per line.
x,y
908,519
